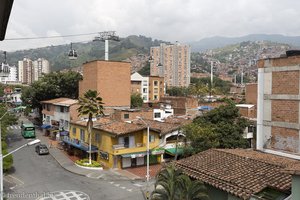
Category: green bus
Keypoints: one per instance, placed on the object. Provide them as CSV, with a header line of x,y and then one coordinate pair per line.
x,y
28,130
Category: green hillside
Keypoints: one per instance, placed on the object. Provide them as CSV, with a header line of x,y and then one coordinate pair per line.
x,y
58,55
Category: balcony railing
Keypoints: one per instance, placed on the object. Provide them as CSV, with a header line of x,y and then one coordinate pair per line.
x,y
123,146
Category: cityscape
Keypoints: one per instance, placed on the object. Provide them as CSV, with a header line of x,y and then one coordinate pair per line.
x,y
164,110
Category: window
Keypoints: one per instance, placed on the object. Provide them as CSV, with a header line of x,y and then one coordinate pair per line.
x,y
66,127
74,131
155,90
155,83
67,109
152,138
82,135
155,97
48,107
48,119
97,137
62,109
156,115
126,116
144,90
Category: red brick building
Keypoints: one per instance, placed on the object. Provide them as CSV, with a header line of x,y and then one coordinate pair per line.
x,y
111,79
278,116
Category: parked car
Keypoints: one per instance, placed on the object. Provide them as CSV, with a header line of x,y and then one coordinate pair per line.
x,y
41,149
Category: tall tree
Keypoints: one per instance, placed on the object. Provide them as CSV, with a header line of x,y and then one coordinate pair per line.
x,y
222,127
7,120
90,105
53,85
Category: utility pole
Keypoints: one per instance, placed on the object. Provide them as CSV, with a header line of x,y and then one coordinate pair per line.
x,y
211,78
105,37
242,76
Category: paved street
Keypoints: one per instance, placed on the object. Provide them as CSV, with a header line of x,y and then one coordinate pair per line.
x,y
41,177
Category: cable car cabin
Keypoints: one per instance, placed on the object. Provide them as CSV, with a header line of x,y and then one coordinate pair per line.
x,y
28,130
72,55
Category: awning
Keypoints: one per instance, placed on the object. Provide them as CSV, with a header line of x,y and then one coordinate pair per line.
x,y
157,151
46,126
134,155
172,151
78,145
64,133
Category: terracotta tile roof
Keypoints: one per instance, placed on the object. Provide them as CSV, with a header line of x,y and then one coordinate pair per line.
x,y
178,120
162,127
57,100
67,102
112,126
239,172
102,120
119,127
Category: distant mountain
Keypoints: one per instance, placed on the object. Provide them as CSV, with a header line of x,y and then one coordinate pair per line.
x,y
218,42
131,46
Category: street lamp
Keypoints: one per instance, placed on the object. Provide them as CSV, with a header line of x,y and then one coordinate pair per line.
x,y
148,149
1,156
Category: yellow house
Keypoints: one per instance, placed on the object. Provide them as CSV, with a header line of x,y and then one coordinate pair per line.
x,y
115,144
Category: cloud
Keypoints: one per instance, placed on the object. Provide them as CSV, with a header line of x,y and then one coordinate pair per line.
x,y
171,20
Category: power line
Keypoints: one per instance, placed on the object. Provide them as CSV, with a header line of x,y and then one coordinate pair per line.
x,y
50,37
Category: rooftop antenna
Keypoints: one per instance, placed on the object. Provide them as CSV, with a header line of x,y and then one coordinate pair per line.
x,y
105,37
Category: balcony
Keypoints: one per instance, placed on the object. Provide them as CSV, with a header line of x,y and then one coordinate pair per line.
x,y
79,144
119,149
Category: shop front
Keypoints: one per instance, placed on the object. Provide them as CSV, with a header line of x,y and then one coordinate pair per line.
x,y
133,160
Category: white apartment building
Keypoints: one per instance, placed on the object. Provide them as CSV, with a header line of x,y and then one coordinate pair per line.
x,y
171,62
141,85
41,66
8,73
151,88
30,71
57,112
163,113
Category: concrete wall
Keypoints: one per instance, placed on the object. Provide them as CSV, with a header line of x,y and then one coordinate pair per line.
x,y
251,93
295,187
120,115
281,102
216,194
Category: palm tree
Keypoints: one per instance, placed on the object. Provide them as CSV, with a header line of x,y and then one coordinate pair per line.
x,y
192,190
167,184
90,105
172,184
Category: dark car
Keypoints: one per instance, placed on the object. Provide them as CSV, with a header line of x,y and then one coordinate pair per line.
x,y
41,149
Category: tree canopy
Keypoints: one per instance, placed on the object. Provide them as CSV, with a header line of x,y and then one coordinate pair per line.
x,y
7,120
222,127
52,85
136,100
201,87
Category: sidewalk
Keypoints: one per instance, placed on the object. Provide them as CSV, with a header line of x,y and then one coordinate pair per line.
x,y
65,162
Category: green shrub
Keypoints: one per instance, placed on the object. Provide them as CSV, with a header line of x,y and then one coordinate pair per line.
x,y
85,163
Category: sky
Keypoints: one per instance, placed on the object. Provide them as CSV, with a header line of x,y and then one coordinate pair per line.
x,y
169,20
